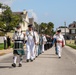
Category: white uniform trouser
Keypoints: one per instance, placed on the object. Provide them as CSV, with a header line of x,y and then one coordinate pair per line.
x,y
30,51
42,47
36,47
59,48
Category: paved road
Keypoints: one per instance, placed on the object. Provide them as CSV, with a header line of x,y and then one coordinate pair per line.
x,y
46,64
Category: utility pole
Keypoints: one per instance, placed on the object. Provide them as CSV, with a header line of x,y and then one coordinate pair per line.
x,y
65,31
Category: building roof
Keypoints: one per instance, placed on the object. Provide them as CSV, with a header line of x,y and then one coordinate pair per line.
x,y
62,27
73,25
19,13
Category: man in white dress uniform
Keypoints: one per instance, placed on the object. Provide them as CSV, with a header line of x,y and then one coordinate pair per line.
x,y
44,41
37,43
30,44
60,42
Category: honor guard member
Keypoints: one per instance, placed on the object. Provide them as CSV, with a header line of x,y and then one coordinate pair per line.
x,y
5,41
40,44
54,42
60,42
37,43
30,44
44,42
18,39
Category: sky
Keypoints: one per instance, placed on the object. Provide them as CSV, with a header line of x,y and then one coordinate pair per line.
x,y
56,11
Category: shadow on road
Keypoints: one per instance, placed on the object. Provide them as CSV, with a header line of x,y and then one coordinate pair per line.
x,y
1,67
47,57
48,54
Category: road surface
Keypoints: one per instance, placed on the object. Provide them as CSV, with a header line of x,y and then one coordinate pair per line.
x,y
46,64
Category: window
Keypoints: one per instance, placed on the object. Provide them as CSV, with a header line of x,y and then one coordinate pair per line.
x,y
73,31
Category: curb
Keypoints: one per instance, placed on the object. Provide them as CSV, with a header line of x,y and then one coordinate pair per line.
x,y
69,47
6,53
5,56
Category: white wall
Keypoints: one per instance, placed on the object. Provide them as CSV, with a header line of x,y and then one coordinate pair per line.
x,y
1,39
63,30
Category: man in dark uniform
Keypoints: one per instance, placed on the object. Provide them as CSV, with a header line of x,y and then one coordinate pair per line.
x,y
48,43
5,41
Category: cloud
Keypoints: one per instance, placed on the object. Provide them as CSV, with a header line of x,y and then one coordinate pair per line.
x,y
31,13
7,2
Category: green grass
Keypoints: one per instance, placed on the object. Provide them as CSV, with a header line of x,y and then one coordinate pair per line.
x,y
72,46
2,46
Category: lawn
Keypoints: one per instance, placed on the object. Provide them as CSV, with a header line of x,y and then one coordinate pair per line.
x,y
71,43
2,46
72,46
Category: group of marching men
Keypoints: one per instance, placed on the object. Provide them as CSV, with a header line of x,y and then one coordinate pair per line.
x,y
34,44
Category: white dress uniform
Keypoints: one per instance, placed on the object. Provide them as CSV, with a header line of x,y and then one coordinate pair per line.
x,y
30,45
59,43
44,41
37,44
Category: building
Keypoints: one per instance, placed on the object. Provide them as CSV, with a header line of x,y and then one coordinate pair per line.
x,y
72,30
69,32
31,21
25,20
0,11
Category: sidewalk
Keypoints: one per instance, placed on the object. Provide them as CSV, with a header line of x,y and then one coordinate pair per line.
x,y
6,51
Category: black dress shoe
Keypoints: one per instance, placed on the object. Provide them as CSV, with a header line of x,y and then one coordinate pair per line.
x,y
20,65
36,56
27,60
56,53
31,60
59,57
13,65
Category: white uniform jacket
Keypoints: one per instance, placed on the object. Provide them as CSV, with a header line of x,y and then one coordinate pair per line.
x,y
60,39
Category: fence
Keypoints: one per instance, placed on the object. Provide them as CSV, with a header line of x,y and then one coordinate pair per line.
x,y
70,41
